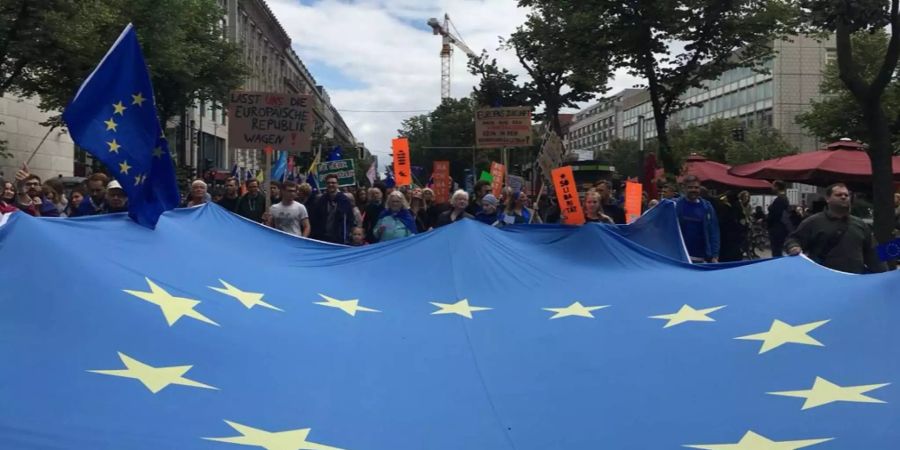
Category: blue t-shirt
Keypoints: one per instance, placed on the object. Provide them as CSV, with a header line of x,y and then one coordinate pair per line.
x,y
691,221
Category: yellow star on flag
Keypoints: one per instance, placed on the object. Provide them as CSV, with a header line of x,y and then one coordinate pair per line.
x,y
461,308
278,440
139,179
173,308
753,441
138,99
111,124
347,306
124,167
248,299
119,109
688,314
113,146
574,310
154,378
824,392
781,333
157,152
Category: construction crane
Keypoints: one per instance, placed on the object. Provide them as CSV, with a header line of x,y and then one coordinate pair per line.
x,y
446,50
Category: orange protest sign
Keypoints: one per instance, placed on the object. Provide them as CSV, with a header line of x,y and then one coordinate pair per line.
x,y
402,165
440,178
497,172
567,195
632,201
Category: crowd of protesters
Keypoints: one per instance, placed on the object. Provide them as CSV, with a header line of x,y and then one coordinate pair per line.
x,y
714,228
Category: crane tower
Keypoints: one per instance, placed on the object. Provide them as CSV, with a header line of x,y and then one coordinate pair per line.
x,y
448,38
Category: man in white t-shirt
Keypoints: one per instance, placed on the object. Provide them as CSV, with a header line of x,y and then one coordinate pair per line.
x,y
287,215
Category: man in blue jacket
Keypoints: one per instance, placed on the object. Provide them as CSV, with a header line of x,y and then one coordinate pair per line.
x,y
699,225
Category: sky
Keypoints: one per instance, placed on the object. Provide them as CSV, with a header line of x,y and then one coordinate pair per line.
x,y
379,55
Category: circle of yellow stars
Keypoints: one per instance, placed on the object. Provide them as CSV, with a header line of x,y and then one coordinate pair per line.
x,y
173,308
114,146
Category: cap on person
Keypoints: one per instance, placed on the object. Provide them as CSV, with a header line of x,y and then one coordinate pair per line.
x,y
490,199
114,185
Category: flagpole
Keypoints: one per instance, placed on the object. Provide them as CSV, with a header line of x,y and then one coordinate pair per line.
x,y
268,175
39,145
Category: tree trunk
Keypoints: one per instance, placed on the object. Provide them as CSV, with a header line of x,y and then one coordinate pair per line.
x,y
880,156
660,119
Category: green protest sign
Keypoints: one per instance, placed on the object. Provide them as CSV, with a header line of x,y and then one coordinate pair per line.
x,y
344,169
486,176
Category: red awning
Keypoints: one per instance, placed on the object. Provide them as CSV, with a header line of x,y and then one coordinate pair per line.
x,y
715,173
843,161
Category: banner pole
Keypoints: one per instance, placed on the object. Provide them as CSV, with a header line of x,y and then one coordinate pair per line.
x,y
268,175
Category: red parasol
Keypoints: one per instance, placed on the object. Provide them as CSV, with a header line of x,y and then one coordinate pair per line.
x,y
715,173
842,161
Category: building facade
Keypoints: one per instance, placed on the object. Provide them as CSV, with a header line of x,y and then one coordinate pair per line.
x,y
21,129
773,99
593,128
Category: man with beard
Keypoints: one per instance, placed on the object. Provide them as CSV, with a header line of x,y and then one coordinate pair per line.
x,y
836,239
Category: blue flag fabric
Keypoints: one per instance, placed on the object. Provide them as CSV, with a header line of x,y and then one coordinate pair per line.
x,y
113,117
491,340
336,154
280,166
889,251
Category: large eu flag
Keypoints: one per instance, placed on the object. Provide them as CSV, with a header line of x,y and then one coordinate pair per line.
x,y
113,116
466,337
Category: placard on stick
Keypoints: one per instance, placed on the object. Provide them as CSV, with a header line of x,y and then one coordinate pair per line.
x,y
270,119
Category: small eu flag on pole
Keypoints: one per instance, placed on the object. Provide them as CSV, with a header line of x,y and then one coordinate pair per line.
x,y
889,251
113,117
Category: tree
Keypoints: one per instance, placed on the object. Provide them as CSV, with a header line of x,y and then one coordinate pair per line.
x,y
839,115
48,47
673,44
497,87
716,141
561,75
845,18
447,134
624,155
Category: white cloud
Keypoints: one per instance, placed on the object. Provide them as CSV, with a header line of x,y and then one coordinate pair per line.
x,y
385,46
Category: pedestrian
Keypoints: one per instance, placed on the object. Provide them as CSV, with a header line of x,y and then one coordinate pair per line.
x,y
732,227
778,220
357,215
198,194
332,214
372,213
433,209
274,192
117,200
75,199
396,221
252,205
516,211
897,212
362,198
417,207
54,191
459,201
230,199
305,195
30,199
593,210
670,192
836,239
480,189
8,198
608,203
358,237
95,202
288,215
489,212
699,225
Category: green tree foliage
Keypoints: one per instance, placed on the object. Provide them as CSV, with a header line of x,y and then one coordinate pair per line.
x,y
673,44
715,141
48,47
561,75
624,156
844,19
497,86
838,115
